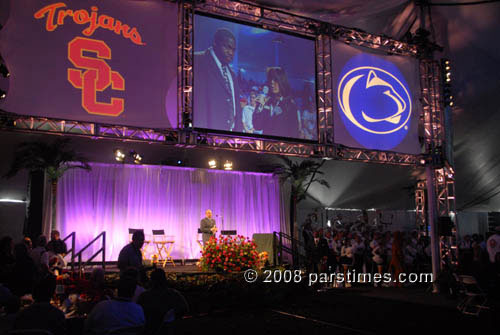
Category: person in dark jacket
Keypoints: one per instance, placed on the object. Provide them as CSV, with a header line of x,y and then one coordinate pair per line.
x,y
216,88
281,118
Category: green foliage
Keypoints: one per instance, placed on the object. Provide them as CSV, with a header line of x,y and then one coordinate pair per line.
x,y
53,158
302,175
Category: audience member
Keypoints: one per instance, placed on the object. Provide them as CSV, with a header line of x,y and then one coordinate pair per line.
x,y
161,303
136,275
6,258
116,313
397,260
28,243
42,315
57,245
38,251
24,273
493,245
10,305
320,252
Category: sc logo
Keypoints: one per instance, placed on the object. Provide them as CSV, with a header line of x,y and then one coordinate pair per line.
x,y
375,105
96,77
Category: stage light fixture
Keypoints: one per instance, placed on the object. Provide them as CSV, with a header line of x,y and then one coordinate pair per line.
x,y
4,71
212,163
228,165
119,155
136,157
3,94
446,84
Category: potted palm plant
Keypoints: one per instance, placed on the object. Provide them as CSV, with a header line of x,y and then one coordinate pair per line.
x,y
301,174
54,159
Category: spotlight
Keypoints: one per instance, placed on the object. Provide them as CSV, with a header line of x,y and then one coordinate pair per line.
x,y
2,94
119,155
179,162
137,158
212,163
4,71
228,165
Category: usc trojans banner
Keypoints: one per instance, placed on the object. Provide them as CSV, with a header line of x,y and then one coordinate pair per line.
x,y
106,61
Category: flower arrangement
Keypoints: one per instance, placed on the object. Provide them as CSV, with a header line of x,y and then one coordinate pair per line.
x,y
229,254
263,259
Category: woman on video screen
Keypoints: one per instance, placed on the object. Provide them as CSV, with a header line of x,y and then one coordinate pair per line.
x,y
280,118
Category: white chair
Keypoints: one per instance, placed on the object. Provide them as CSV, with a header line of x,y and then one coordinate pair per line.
x,y
474,299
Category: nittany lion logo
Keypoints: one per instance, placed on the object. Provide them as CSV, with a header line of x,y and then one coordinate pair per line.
x,y
374,100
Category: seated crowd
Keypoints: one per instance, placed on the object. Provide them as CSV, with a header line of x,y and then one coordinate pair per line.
x,y
31,297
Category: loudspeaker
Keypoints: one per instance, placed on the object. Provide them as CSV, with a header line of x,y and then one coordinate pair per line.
x,y
445,226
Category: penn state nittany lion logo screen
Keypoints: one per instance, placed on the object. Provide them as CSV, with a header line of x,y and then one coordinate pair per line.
x,y
374,102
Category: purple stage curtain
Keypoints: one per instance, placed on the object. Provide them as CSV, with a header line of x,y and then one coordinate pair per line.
x,y
114,198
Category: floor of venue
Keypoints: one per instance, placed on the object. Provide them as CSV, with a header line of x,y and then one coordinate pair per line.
x,y
344,311
224,308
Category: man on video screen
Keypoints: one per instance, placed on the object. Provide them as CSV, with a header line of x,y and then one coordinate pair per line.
x,y
216,89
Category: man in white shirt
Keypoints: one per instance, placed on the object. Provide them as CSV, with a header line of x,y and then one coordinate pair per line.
x,y
493,245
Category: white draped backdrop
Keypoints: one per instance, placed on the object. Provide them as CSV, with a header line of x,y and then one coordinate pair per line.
x,y
114,198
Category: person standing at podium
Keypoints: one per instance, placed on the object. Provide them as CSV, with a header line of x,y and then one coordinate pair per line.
x,y
207,226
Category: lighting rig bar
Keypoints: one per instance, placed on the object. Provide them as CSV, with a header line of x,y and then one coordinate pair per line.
x,y
372,41
375,156
86,129
192,139
266,17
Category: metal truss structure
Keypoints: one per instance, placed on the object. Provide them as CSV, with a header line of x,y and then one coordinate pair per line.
x,y
434,138
420,208
185,65
86,129
323,33
372,41
324,88
432,118
285,22
445,194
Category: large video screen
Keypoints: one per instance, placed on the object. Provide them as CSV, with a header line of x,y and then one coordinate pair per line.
x,y
375,105
91,60
253,81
